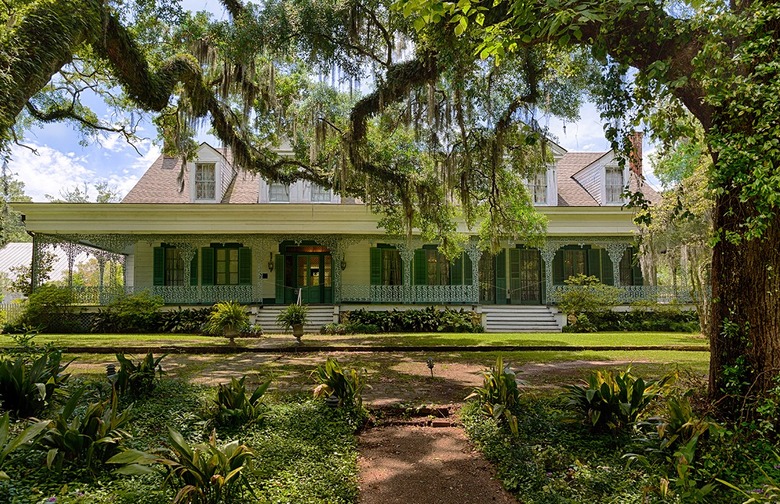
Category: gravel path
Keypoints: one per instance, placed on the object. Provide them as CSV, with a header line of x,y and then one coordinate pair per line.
x,y
424,465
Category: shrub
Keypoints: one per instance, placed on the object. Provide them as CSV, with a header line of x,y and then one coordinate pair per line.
x,y
86,438
187,321
205,473
499,394
233,407
665,319
332,329
137,380
333,381
582,325
614,400
428,319
49,307
28,382
137,313
292,315
586,294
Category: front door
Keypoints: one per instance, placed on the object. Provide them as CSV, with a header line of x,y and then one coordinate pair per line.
x,y
525,276
308,268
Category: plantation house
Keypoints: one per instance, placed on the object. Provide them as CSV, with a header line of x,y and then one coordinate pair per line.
x,y
227,235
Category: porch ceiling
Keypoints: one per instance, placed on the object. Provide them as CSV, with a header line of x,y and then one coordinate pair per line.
x,y
127,218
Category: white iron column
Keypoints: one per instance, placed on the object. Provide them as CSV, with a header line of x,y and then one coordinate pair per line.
x,y
616,251
548,255
474,253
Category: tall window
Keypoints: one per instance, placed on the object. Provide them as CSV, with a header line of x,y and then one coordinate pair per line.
x,y
278,192
227,266
174,267
319,193
438,268
205,181
538,188
614,181
575,262
391,267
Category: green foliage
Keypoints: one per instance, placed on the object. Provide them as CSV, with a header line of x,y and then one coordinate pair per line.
x,y
49,307
499,395
85,437
345,384
586,294
187,320
22,275
614,401
582,325
138,380
227,318
137,313
672,320
205,473
234,409
9,444
293,314
28,382
428,319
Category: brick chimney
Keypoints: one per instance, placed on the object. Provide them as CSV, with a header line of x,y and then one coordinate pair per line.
x,y
635,158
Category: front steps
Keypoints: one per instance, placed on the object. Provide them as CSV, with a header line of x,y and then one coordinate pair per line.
x,y
519,318
319,315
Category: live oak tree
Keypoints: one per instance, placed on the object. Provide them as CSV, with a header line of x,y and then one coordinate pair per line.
x,y
718,60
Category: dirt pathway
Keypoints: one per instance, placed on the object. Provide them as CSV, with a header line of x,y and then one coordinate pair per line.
x,y
424,465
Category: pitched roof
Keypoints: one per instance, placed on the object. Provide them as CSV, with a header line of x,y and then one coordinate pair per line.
x,y
570,192
160,183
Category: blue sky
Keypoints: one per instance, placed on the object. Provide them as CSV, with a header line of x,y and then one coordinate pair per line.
x,y
60,162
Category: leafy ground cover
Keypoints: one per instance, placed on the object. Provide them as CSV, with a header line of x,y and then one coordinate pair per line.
x,y
616,339
304,452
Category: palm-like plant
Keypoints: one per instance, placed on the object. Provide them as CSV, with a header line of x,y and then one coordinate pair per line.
x,y
228,318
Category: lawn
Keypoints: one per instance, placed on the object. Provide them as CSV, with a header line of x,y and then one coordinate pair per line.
x,y
609,339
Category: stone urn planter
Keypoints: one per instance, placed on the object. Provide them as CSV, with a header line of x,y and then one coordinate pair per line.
x,y
294,316
297,330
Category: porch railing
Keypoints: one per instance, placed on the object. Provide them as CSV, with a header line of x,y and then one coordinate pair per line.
x,y
207,294
628,294
396,294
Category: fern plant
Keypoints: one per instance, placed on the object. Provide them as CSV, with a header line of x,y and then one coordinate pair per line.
x,y
499,394
227,318
204,473
233,406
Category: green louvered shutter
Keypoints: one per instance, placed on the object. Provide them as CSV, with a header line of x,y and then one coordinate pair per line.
x,y
636,269
194,269
420,267
376,266
456,271
468,273
557,267
245,266
207,266
608,273
594,264
279,282
501,277
158,273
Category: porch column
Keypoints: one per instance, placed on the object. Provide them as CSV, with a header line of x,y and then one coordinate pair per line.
x,y
101,260
474,253
70,251
337,255
616,251
407,256
548,255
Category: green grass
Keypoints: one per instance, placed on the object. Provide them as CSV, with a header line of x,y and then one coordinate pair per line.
x,y
618,339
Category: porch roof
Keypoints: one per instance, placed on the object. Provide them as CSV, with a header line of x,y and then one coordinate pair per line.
x,y
189,218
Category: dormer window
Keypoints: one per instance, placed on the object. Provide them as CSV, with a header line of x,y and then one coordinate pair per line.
x,y
320,194
538,188
205,181
614,184
278,192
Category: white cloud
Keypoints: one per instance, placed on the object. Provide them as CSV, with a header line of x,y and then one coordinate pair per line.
x,y
48,172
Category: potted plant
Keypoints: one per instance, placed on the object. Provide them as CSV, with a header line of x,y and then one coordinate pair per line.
x,y
293,316
227,318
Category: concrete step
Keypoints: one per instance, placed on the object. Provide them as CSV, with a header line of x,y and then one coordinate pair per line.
x,y
519,318
318,317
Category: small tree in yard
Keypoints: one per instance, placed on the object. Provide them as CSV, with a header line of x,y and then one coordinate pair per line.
x,y
587,294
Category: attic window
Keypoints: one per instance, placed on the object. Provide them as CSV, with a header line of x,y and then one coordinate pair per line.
x,y
278,192
614,184
205,181
319,193
538,188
